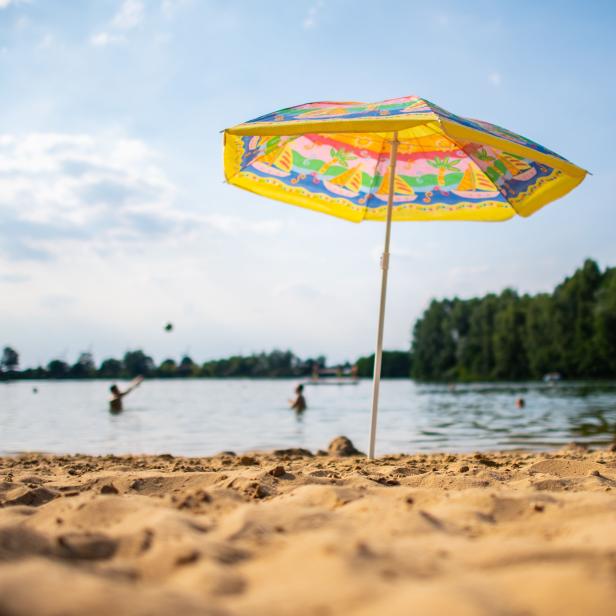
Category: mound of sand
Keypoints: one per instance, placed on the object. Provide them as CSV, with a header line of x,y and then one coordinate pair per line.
x,y
290,533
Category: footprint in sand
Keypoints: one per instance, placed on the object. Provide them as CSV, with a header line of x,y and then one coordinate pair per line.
x,y
86,546
34,497
16,542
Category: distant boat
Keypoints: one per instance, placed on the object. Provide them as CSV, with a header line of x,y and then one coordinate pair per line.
x,y
552,377
333,376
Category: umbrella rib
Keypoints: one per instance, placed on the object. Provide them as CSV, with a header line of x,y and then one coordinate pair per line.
x,y
370,194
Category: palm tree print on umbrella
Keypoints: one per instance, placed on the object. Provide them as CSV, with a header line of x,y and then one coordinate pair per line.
x,y
483,155
340,157
492,166
443,164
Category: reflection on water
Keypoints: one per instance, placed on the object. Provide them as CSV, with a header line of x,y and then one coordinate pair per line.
x,y
594,422
198,417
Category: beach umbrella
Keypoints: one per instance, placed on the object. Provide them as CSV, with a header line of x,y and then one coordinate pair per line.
x,y
403,159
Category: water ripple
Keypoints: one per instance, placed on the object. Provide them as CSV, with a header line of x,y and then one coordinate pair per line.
x,y
194,417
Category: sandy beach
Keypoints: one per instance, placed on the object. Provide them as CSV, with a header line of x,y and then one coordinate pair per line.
x,y
292,532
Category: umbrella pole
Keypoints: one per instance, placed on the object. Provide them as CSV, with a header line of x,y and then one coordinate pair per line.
x,y
378,355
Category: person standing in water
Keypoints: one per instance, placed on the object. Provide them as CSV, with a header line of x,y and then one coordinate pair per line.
x,y
299,403
115,402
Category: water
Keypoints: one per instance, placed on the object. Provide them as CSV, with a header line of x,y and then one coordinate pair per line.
x,y
200,417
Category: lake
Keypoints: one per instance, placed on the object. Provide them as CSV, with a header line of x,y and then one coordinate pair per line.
x,y
201,417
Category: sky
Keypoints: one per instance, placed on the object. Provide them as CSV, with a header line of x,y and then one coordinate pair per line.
x,y
115,218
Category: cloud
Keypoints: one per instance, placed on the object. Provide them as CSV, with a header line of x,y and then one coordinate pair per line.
x,y
298,291
46,42
6,3
102,39
129,16
169,7
13,278
495,78
234,225
467,270
58,191
312,17
442,19
466,274
58,188
57,301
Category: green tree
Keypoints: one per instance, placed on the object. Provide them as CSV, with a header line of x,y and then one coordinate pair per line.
x,y
572,331
9,360
605,324
574,303
84,367
459,325
137,363
57,369
394,365
476,357
262,365
541,336
167,369
111,368
510,360
187,367
434,344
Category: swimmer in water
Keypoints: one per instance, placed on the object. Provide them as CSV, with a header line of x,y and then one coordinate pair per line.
x,y
115,402
298,404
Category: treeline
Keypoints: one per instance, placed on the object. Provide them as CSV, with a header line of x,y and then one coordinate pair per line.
x,y
571,331
275,364
507,336
137,363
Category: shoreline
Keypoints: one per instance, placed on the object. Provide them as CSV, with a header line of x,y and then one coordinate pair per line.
x,y
587,446
289,532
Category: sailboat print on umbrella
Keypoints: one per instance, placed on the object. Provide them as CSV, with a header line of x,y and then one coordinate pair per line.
x,y
517,166
496,163
347,184
403,191
475,184
277,161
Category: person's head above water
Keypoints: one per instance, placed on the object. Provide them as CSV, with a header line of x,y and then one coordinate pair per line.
x,y
114,389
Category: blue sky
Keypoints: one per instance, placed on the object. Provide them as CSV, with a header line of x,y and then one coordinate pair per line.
x,y
114,217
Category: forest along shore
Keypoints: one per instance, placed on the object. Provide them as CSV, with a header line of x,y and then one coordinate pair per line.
x,y
497,337
259,533
509,336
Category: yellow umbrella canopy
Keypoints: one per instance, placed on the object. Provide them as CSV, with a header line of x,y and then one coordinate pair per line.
x,y
399,159
336,158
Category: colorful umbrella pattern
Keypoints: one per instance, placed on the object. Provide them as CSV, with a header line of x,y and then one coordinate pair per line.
x,y
335,158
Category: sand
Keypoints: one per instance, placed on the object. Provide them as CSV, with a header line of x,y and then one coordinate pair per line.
x,y
510,534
